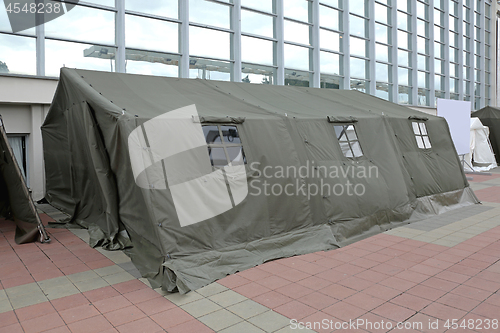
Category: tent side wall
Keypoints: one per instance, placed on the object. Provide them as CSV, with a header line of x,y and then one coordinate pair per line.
x,y
490,117
95,113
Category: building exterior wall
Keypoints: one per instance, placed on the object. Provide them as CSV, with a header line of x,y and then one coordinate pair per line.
x,y
409,52
24,103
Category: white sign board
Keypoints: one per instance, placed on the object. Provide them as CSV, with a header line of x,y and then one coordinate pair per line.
x,y
457,114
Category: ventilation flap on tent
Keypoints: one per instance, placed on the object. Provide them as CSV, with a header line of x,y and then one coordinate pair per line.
x,y
222,120
418,118
334,119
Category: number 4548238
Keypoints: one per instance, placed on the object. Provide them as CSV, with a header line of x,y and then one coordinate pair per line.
x,y
33,8
472,324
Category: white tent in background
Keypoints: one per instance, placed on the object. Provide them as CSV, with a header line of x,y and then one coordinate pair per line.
x,y
481,156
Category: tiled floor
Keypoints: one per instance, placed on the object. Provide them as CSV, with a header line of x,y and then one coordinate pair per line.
x,y
425,273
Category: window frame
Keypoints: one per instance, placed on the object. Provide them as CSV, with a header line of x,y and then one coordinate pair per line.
x,y
349,142
421,135
224,145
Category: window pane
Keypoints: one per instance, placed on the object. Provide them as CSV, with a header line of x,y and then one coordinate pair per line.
x,y
422,28
296,32
403,21
359,47
340,133
65,54
422,62
19,54
166,8
420,142
329,18
296,57
416,129
334,3
422,78
402,5
330,81
209,69
403,40
404,95
329,40
427,142
256,50
381,13
208,43
211,133
357,7
422,45
439,66
356,149
258,74
403,76
297,9
351,133
217,157
83,24
236,155
151,34
382,72
264,5
422,10
357,26
382,52
359,85
381,33
152,63
296,78
383,90
423,128
211,13
358,68
423,97
330,63
109,3
5,23
256,24
230,134
439,82
404,58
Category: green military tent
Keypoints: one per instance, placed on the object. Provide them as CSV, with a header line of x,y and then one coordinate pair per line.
x,y
208,178
490,116
15,200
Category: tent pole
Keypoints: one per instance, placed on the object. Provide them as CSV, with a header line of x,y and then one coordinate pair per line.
x,y
44,238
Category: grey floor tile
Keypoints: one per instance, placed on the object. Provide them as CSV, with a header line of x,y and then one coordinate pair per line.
x,y
247,309
25,300
91,284
109,270
30,288
181,299
118,278
211,289
270,321
243,327
220,319
227,298
200,307
78,277
5,306
62,291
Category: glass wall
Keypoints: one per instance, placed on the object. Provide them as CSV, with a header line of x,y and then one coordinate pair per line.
x,y
405,51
